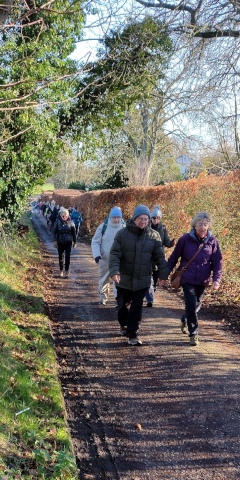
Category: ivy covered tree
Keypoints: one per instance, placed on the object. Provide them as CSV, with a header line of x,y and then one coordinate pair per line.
x,y
36,76
128,64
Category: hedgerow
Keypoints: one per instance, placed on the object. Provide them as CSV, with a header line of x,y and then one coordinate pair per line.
x,y
179,201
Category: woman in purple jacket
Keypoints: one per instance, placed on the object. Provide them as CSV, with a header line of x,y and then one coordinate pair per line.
x,y
207,263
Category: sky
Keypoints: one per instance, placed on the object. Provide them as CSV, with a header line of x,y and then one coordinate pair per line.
x,y
86,48
112,13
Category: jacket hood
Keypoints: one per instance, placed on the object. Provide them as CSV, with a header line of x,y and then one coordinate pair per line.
x,y
204,240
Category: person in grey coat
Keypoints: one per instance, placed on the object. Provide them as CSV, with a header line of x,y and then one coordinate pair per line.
x,y
134,249
101,244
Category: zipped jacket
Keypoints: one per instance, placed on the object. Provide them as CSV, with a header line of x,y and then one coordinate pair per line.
x,y
103,238
207,263
131,256
64,231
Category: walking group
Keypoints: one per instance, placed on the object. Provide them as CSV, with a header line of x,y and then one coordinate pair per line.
x,y
63,224
131,256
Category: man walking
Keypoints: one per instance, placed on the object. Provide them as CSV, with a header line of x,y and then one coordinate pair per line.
x,y
134,249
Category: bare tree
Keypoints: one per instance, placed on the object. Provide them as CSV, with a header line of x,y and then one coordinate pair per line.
x,y
205,19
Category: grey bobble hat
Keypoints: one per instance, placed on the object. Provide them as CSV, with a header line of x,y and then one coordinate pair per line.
x,y
156,212
141,210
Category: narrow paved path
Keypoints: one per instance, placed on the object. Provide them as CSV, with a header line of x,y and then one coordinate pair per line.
x,y
164,410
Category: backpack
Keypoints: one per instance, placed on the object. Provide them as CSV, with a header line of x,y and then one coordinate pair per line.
x,y
106,222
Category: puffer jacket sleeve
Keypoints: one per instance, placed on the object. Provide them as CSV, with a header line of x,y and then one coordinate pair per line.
x,y
160,261
97,241
115,255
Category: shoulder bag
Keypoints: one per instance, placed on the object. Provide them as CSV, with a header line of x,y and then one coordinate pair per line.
x,y
175,279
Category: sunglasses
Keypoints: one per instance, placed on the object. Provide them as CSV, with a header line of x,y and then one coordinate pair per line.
x,y
154,218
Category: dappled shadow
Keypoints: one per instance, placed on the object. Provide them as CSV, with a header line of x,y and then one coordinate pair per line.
x,y
22,302
164,410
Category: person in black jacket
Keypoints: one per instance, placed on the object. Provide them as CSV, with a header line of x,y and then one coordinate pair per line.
x,y
156,224
64,238
133,251
51,213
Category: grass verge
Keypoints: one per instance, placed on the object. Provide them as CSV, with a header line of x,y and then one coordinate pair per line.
x,y
34,438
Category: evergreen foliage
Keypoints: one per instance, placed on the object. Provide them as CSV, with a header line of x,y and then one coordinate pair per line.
x,y
128,64
35,77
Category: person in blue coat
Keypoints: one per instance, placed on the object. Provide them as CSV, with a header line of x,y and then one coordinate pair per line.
x,y
76,217
205,266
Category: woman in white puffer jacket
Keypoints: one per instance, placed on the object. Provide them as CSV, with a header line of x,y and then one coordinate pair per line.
x,y
101,244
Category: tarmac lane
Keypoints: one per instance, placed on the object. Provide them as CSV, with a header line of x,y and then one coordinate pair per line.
x,y
163,410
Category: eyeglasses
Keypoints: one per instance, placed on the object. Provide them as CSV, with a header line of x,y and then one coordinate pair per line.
x,y
155,218
144,220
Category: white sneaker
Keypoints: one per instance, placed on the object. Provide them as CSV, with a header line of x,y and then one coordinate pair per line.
x,y
61,273
102,302
66,273
134,341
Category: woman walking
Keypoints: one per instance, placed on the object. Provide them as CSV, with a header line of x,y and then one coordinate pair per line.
x,y
206,264
101,244
64,238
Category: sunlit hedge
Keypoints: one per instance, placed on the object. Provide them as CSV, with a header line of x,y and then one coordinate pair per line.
x,y
179,202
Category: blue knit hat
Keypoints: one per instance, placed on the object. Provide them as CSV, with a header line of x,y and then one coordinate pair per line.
x,y
141,210
115,212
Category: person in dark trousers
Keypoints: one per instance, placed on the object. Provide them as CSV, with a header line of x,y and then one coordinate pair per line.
x,y
206,264
64,238
134,249
51,213
156,224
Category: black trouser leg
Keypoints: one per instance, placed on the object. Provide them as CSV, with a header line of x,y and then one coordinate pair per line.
x,y
132,317
123,297
68,248
155,279
135,312
64,248
193,295
61,255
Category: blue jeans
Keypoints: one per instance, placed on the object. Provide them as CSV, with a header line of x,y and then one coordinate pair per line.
x,y
150,293
193,296
132,316
152,288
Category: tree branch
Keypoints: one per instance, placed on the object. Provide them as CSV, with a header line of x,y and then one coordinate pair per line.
x,y
194,28
17,135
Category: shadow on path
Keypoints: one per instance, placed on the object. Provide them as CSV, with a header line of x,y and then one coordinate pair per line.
x,y
161,411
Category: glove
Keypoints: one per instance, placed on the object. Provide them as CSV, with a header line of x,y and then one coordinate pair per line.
x,y
55,244
74,245
97,259
172,243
